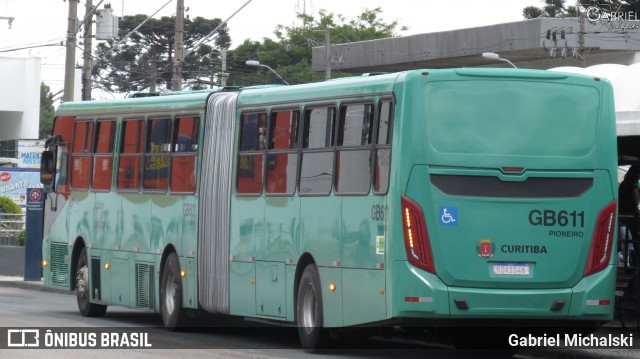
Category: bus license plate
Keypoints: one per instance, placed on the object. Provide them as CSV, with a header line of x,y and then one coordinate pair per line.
x,y
511,269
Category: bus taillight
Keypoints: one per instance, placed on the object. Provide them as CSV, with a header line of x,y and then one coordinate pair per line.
x,y
600,251
416,239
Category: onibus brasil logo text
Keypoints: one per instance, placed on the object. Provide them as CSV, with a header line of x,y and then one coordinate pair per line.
x,y
36,338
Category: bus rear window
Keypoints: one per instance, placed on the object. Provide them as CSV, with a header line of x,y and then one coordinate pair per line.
x,y
511,118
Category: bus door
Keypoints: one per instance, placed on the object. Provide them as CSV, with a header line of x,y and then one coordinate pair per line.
x,y
363,217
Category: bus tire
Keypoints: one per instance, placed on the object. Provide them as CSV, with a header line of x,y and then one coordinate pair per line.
x,y
86,308
309,310
173,315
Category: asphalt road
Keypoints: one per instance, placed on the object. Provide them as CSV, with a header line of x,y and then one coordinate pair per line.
x,y
221,337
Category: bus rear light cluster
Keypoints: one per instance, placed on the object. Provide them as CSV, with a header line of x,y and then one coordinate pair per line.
x,y
416,239
601,245
598,302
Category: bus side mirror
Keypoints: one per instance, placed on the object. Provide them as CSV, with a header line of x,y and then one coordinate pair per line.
x,y
47,170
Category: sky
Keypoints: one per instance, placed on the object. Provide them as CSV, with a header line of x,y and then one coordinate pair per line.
x,y
40,22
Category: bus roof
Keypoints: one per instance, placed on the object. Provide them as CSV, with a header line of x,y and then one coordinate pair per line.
x,y
345,87
384,83
331,89
150,103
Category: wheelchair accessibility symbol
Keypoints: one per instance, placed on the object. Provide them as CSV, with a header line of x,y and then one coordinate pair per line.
x,y
449,216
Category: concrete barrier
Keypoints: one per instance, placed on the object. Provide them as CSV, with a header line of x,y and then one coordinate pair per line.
x,y
11,261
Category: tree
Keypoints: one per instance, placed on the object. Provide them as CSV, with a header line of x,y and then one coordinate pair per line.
x,y
147,55
552,8
7,205
557,8
290,54
46,111
618,6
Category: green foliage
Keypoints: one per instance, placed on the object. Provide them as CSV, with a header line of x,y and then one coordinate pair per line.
x,y
532,12
46,110
290,54
8,206
557,8
148,53
22,236
552,8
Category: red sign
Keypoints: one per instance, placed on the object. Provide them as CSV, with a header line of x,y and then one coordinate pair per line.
x,y
485,248
35,195
5,176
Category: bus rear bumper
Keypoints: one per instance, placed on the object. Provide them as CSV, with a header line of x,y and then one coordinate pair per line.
x,y
420,294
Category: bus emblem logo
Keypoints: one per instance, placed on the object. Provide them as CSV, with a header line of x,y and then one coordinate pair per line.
x,y
485,248
449,216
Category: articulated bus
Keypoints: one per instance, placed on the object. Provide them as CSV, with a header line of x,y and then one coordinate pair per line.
x,y
418,197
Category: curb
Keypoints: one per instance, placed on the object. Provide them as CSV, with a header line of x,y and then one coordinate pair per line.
x,y
36,285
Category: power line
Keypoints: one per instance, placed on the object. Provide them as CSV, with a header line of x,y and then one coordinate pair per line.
x,y
31,47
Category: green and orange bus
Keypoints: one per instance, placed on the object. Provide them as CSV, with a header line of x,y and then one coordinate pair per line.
x,y
415,197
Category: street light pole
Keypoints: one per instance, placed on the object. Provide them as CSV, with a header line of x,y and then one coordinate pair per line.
x,y
327,53
257,63
494,56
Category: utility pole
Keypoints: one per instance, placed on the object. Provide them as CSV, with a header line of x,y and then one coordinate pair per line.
x,y
327,53
178,55
152,75
70,61
88,44
223,75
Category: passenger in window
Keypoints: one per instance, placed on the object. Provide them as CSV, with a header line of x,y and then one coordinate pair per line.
x,y
262,131
184,143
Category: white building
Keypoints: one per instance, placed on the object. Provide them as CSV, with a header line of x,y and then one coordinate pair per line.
x,y
19,97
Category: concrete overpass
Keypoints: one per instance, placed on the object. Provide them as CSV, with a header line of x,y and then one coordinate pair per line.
x,y
538,43
544,43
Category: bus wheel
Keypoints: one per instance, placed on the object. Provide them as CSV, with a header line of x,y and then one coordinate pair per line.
x,y
87,309
309,310
171,293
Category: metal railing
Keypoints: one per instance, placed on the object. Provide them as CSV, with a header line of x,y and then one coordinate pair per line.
x,y
11,224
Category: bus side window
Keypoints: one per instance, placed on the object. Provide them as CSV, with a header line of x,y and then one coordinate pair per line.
x,y
383,148
353,163
316,172
156,158
282,154
183,158
128,177
253,127
81,154
103,155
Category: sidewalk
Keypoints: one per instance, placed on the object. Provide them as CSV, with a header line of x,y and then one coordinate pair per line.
x,y
19,282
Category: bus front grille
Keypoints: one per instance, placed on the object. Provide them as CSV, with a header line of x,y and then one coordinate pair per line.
x,y
144,286
59,267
